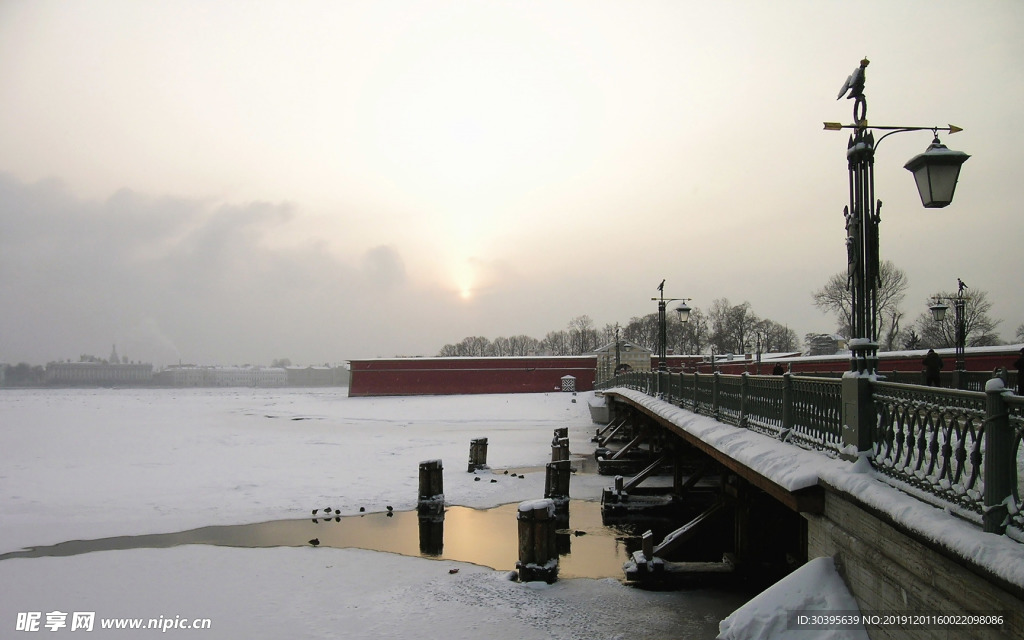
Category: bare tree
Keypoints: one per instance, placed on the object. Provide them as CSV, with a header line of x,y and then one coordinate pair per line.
x,y
691,336
731,325
582,335
835,298
523,345
501,347
643,331
980,329
557,343
607,334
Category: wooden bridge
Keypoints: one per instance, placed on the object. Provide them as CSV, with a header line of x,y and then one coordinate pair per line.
x,y
769,471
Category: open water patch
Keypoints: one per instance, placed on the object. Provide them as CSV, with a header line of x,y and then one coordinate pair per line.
x,y
486,537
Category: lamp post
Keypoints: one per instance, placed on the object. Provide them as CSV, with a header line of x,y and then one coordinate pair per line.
x,y
760,341
682,311
935,171
618,351
939,308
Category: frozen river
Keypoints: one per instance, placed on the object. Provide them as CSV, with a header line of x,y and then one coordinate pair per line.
x,y
105,463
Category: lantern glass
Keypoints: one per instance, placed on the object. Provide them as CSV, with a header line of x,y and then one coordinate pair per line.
x,y
939,311
936,172
683,311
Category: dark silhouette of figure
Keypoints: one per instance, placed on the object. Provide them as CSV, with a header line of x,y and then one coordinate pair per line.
x,y
778,370
932,366
1019,365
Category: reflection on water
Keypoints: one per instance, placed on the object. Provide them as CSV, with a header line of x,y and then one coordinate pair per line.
x,y
487,537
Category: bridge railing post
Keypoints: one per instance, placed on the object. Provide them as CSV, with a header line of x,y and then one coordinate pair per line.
x,y
858,416
744,393
696,386
787,401
999,469
714,395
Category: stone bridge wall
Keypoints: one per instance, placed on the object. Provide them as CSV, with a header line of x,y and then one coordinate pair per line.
x,y
888,570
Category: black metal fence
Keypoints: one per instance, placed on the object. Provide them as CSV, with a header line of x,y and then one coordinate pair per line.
x,y
960,450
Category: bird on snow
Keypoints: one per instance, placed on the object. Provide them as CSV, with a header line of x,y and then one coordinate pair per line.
x,y
314,511
337,512
390,508
362,509
315,541
855,83
453,571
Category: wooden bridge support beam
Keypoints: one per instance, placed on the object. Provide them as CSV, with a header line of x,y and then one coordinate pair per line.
x,y
740,493
643,475
640,437
605,439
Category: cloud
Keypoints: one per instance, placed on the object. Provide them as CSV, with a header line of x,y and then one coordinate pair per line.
x,y
383,268
171,278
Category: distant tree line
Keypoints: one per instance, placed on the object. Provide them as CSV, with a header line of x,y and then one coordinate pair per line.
x,y
23,375
735,328
724,328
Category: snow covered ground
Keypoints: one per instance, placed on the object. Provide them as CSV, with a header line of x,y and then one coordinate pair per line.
x,y
84,464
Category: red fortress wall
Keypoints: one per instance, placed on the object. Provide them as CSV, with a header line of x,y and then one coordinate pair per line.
x,y
446,376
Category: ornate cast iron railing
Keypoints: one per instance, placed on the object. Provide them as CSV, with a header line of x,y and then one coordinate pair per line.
x,y
1015,415
934,446
929,441
799,409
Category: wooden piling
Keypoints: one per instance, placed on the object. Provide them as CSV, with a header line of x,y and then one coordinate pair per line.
x,y
556,483
560,445
431,497
538,550
477,454
432,534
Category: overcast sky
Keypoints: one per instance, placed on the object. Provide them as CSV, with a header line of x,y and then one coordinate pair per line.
x,y
233,182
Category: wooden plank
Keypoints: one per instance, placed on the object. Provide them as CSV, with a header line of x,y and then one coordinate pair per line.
x,y
687,531
643,475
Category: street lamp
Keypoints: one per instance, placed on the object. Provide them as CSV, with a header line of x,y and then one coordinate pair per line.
x,y
939,309
682,312
935,171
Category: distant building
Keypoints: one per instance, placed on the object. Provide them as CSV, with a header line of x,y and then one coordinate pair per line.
x,y
190,375
632,356
825,344
317,376
98,373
